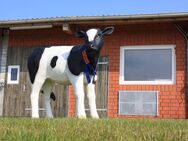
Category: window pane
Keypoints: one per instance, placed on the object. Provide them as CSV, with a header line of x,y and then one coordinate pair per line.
x,y
148,64
14,72
138,103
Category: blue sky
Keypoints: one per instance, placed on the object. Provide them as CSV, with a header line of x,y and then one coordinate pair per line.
x,y
26,9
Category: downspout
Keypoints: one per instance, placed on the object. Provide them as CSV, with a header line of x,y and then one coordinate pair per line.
x,y
185,35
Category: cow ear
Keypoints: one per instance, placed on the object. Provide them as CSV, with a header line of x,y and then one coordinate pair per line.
x,y
80,34
108,30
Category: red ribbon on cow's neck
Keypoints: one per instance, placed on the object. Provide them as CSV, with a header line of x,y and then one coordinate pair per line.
x,y
84,54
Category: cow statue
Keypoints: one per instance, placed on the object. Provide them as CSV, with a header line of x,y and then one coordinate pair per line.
x,y
74,65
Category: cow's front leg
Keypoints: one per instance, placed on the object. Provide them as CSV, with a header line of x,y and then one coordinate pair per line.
x,y
92,100
79,93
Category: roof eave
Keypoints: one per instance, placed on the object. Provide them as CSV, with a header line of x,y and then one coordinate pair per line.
x,y
100,19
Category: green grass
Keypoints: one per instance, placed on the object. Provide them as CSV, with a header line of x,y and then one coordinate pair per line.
x,y
70,129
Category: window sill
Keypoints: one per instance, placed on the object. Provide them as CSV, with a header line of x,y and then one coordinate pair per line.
x,y
146,82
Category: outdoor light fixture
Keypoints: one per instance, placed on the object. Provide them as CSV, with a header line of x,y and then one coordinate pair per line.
x,y
65,27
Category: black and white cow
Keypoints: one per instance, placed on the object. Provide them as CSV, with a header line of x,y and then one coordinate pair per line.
x,y
67,65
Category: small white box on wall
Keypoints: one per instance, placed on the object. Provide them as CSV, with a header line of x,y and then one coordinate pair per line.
x,y
13,74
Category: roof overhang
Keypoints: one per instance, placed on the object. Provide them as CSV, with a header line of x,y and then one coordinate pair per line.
x,y
102,20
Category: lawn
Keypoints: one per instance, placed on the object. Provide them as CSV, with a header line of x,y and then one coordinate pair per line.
x,y
70,129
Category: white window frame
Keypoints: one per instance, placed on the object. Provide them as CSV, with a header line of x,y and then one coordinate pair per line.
x,y
9,81
167,82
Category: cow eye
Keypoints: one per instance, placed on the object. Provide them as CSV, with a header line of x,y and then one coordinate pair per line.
x,y
97,36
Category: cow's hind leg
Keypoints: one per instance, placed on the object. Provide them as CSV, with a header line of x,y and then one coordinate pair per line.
x,y
36,87
47,89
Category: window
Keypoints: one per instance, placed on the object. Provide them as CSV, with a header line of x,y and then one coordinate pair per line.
x,y
138,103
13,74
147,64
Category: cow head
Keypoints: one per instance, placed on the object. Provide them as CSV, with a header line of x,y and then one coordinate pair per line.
x,y
94,37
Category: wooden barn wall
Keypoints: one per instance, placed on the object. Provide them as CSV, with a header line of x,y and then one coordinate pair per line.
x,y
4,38
17,97
1,39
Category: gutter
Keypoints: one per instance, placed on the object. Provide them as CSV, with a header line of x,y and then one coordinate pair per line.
x,y
185,35
174,16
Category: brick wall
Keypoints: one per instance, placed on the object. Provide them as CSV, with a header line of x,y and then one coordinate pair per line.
x,y
172,98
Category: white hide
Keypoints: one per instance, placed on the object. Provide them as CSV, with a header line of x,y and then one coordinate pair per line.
x,y
92,33
46,76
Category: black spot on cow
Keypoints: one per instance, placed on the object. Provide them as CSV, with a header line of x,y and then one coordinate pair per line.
x,y
52,96
53,61
75,63
33,62
75,59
